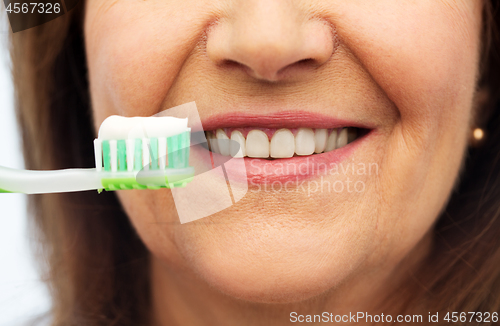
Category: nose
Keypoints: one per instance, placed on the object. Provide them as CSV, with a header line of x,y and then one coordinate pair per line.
x,y
270,40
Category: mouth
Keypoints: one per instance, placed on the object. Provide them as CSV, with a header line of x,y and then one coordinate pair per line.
x,y
271,144
285,146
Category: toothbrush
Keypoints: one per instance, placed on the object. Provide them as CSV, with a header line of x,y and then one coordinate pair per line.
x,y
130,153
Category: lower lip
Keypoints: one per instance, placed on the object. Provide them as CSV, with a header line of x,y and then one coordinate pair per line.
x,y
287,170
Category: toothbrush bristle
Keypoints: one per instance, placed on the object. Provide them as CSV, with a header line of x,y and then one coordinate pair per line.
x,y
98,154
162,152
130,144
153,151
122,155
113,155
146,153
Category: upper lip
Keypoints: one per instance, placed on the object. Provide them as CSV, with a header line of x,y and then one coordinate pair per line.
x,y
282,119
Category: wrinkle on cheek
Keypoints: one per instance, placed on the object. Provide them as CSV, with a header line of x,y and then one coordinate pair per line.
x,y
138,86
94,24
461,12
135,62
122,62
421,57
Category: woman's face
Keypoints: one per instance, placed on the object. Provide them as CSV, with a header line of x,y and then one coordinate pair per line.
x,y
404,70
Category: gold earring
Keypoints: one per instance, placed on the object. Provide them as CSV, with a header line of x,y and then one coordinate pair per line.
x,y
477,137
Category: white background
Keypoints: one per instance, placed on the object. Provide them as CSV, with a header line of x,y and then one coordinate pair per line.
x,y
22,295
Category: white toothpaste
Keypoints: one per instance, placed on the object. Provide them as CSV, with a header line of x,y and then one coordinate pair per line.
x,y
117,127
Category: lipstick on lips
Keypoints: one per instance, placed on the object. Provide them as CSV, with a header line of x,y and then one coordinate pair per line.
x,y
283,146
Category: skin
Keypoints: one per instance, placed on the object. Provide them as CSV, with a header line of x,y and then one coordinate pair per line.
x,y
409,68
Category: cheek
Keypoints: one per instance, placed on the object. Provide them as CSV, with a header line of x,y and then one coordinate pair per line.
x,y
423,55
153,215
133,64
425,60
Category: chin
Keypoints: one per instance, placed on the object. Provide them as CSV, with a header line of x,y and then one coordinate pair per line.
x,y
279,282
272,264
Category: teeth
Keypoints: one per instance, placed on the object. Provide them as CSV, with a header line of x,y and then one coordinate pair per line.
x,y
352,135
320,138
257,144
282,144
331,143
342,138
212,141
304,141
222,140
237,136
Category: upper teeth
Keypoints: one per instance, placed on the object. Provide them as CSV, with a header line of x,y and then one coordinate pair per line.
x,y
283,144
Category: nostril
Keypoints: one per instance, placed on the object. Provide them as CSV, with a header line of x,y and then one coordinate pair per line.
x,y
231,64
235,65
299,65
305,61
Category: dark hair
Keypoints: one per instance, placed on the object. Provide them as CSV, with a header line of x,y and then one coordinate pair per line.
x,y
97,267
465,265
